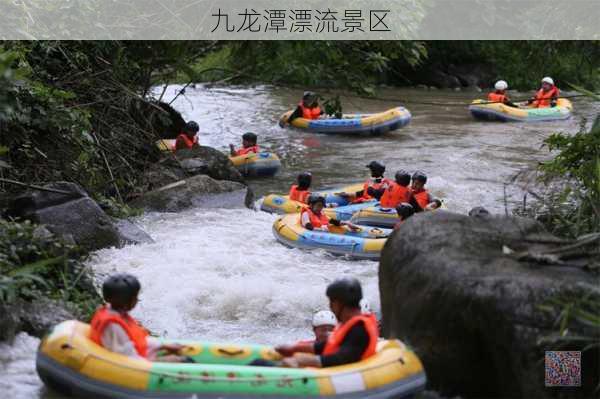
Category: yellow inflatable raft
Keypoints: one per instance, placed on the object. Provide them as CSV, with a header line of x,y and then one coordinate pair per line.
x,y
484,110
366,243
250,165
72,364
378,123
282,204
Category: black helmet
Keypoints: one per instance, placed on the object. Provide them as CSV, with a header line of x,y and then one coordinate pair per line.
x,y
346,290
420,176
304,179
376,167
251,137
405,210
309,95
192,126
403,177
120,289
313,199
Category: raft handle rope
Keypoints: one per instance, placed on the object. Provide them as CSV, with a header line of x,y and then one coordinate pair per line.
x,y
304,378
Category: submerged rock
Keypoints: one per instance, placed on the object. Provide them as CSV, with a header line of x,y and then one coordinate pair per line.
x,y
70,213
131,233
200,191
471,311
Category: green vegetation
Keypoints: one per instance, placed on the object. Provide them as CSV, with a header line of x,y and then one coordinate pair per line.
x,y
34,264
576,209
361,65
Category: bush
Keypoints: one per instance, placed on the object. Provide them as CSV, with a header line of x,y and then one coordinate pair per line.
x,y
34,264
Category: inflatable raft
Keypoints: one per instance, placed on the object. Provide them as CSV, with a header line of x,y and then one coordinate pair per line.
x,y
366,243
257,165
483,110
378,123
249,165
377,216
69,362
282,204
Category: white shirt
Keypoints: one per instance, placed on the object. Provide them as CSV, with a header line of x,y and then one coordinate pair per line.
x,y
115,339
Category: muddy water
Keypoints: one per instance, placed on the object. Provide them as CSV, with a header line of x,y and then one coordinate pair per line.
x,y
220,275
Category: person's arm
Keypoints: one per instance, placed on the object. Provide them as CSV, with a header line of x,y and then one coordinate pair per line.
x,y
351,350
232,151
179,144
296,114
415,204
115,339
305,221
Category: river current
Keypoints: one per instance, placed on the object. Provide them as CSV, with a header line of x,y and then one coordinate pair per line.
x,y
219,274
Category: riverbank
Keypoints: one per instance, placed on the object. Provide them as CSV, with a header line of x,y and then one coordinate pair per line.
x,y
221,261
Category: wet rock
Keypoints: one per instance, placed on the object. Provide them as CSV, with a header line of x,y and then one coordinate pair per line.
x,y
473,313
198,191
35,318
131,233
71,212
160,174
208,161
442,80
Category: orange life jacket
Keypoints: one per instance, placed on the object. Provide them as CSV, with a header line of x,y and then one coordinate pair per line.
x,y
244,151
334,342
371,183
299,195
310,113
544,98
137,334
423,198
316,220
188,143
497,97
395,195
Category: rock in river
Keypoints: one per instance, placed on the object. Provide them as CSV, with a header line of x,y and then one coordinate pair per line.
x,y
200,190
451,287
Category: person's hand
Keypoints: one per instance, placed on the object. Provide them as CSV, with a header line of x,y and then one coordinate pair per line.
x,y
172,348
282,122
290,362
285,350
307,360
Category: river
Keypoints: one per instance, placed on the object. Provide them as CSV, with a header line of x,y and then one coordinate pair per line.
x,y
219,274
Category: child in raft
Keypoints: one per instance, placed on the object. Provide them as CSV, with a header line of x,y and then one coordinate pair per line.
x,y
300,191
249,145
114,329
404,211
313,218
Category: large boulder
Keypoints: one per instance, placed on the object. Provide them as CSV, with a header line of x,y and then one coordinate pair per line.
x,y
208,161
200,190
452,286
35,318
66,210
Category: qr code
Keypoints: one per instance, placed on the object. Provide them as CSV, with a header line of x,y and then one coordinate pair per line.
x,y
563,369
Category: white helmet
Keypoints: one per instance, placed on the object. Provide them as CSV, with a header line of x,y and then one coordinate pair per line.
x,y
365,306
324,318
548,80
501,85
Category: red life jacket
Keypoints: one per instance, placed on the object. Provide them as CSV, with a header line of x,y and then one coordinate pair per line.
x,y
244,151
299,195
544,98
497,97
310,113
394,195
422,197
334,342
136,333
188,143
316,220
371,183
